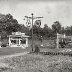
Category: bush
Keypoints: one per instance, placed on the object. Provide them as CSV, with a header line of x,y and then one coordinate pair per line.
x,y
37,49
3,45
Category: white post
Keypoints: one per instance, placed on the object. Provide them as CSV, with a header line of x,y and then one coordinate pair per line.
x,y
26,42
19,41
64,35
57,41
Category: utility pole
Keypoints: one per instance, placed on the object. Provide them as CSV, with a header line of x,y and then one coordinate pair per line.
x,y
32,25
32,32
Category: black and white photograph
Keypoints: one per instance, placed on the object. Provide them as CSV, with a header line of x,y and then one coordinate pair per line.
x,y
35,35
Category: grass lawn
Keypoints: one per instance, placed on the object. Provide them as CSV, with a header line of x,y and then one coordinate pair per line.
x,y
36,63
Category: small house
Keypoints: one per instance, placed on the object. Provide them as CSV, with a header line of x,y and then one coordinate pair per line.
x,y
18,39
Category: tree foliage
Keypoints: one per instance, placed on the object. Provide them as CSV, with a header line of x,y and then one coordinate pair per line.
x,y
8,24
68,30
56,27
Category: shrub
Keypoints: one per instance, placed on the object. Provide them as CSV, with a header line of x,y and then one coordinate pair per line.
x,y
3,45
37,49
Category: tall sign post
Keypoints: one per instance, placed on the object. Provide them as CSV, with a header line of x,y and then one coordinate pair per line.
x,y
32,32
32,25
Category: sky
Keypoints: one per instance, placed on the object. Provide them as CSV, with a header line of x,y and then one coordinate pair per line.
x,y
51,10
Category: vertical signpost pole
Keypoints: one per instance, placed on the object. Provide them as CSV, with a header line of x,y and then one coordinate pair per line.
x,y
32,32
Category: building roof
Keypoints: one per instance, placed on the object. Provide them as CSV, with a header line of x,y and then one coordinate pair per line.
x,y
18,34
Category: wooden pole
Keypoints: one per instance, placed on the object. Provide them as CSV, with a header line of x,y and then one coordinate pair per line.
x,y
32,32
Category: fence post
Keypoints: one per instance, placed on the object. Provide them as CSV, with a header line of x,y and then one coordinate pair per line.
x,y
64,36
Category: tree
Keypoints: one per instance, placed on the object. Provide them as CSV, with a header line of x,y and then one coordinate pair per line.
x,y
8,24
36,30
68,30
56,27
71,29
24,29
62,30
3,35
47,31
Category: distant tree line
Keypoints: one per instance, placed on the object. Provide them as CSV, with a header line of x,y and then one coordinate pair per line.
x,y
8,25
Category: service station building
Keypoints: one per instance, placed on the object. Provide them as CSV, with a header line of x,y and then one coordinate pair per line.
x,y
18,39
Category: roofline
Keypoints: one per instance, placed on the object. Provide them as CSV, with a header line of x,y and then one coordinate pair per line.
x,y
18,36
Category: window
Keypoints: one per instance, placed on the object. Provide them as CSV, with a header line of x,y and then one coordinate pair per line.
x,y
13,41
